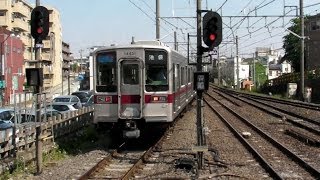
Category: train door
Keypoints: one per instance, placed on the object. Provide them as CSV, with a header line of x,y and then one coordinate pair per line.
x,y
130,97
177,87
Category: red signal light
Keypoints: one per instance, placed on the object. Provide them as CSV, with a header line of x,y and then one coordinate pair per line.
x,y
212,37
39,30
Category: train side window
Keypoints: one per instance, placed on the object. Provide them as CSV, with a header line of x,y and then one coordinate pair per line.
x,y
189,75
178,77
182,76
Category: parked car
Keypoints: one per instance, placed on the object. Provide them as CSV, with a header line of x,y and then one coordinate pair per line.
x,y
71,99
30,115
84,96
87,101
6,118
63,106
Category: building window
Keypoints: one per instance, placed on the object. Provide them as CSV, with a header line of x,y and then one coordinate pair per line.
x,y
315,25
2,13
286,69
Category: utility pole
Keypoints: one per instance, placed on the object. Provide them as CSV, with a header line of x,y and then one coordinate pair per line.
x,y
157,19
175,41
302,51
69,78
199,93
254,71
62,75
80,51
237,56
218,65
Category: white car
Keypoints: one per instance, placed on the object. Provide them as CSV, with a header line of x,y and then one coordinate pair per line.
x,y
67,100
63,106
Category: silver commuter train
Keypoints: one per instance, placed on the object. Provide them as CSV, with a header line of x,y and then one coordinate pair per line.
x,y
145,82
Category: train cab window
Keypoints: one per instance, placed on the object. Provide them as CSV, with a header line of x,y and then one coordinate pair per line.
x,y
106,72
156,75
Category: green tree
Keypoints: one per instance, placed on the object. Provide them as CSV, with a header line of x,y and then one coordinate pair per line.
x,y
292,45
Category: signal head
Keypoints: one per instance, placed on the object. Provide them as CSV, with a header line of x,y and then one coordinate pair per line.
x,y
39,23
212,29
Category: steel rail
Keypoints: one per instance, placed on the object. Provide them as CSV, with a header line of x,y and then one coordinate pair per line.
x,y
309,168
130,173
268,167
267,98
276,114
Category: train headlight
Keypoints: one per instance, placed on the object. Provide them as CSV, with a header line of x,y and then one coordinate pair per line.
x,y
127,124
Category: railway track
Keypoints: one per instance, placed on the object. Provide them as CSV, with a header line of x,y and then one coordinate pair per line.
x,y
279,161
295,103
304,128
295,119
130,161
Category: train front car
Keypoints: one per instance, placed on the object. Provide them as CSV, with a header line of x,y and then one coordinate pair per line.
x,y
132,87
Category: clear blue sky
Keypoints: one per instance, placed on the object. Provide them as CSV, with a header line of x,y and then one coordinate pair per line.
x,y
87,23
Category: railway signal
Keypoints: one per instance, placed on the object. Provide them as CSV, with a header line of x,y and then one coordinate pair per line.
x,y
39,23
212,29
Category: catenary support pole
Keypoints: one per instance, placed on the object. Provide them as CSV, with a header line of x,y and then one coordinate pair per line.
x,y
237,56
157,19
302,52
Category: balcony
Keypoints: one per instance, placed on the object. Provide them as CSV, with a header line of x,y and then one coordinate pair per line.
x,y
4,20
66,49
46,57
19,23
46,44
4,5
47,70
66,66
66,58
47,83
19,7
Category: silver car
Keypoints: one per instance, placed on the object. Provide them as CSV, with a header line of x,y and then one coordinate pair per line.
x,y
69,99
63,106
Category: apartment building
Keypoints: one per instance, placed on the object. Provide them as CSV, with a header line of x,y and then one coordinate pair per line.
x,y
11,58
15,17
67,58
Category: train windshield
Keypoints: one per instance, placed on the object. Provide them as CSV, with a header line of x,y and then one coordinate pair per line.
x,y
106,72
156,70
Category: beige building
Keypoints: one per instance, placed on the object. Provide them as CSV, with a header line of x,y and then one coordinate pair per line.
x,y
67,58
15,16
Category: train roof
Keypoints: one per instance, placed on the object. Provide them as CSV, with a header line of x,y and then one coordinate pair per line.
x,y
137,44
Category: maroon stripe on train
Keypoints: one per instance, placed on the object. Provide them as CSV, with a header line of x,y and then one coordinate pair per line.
x,y
130,99
114,99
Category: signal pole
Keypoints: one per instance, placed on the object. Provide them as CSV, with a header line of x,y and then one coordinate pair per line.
x,y
38,91
199,93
